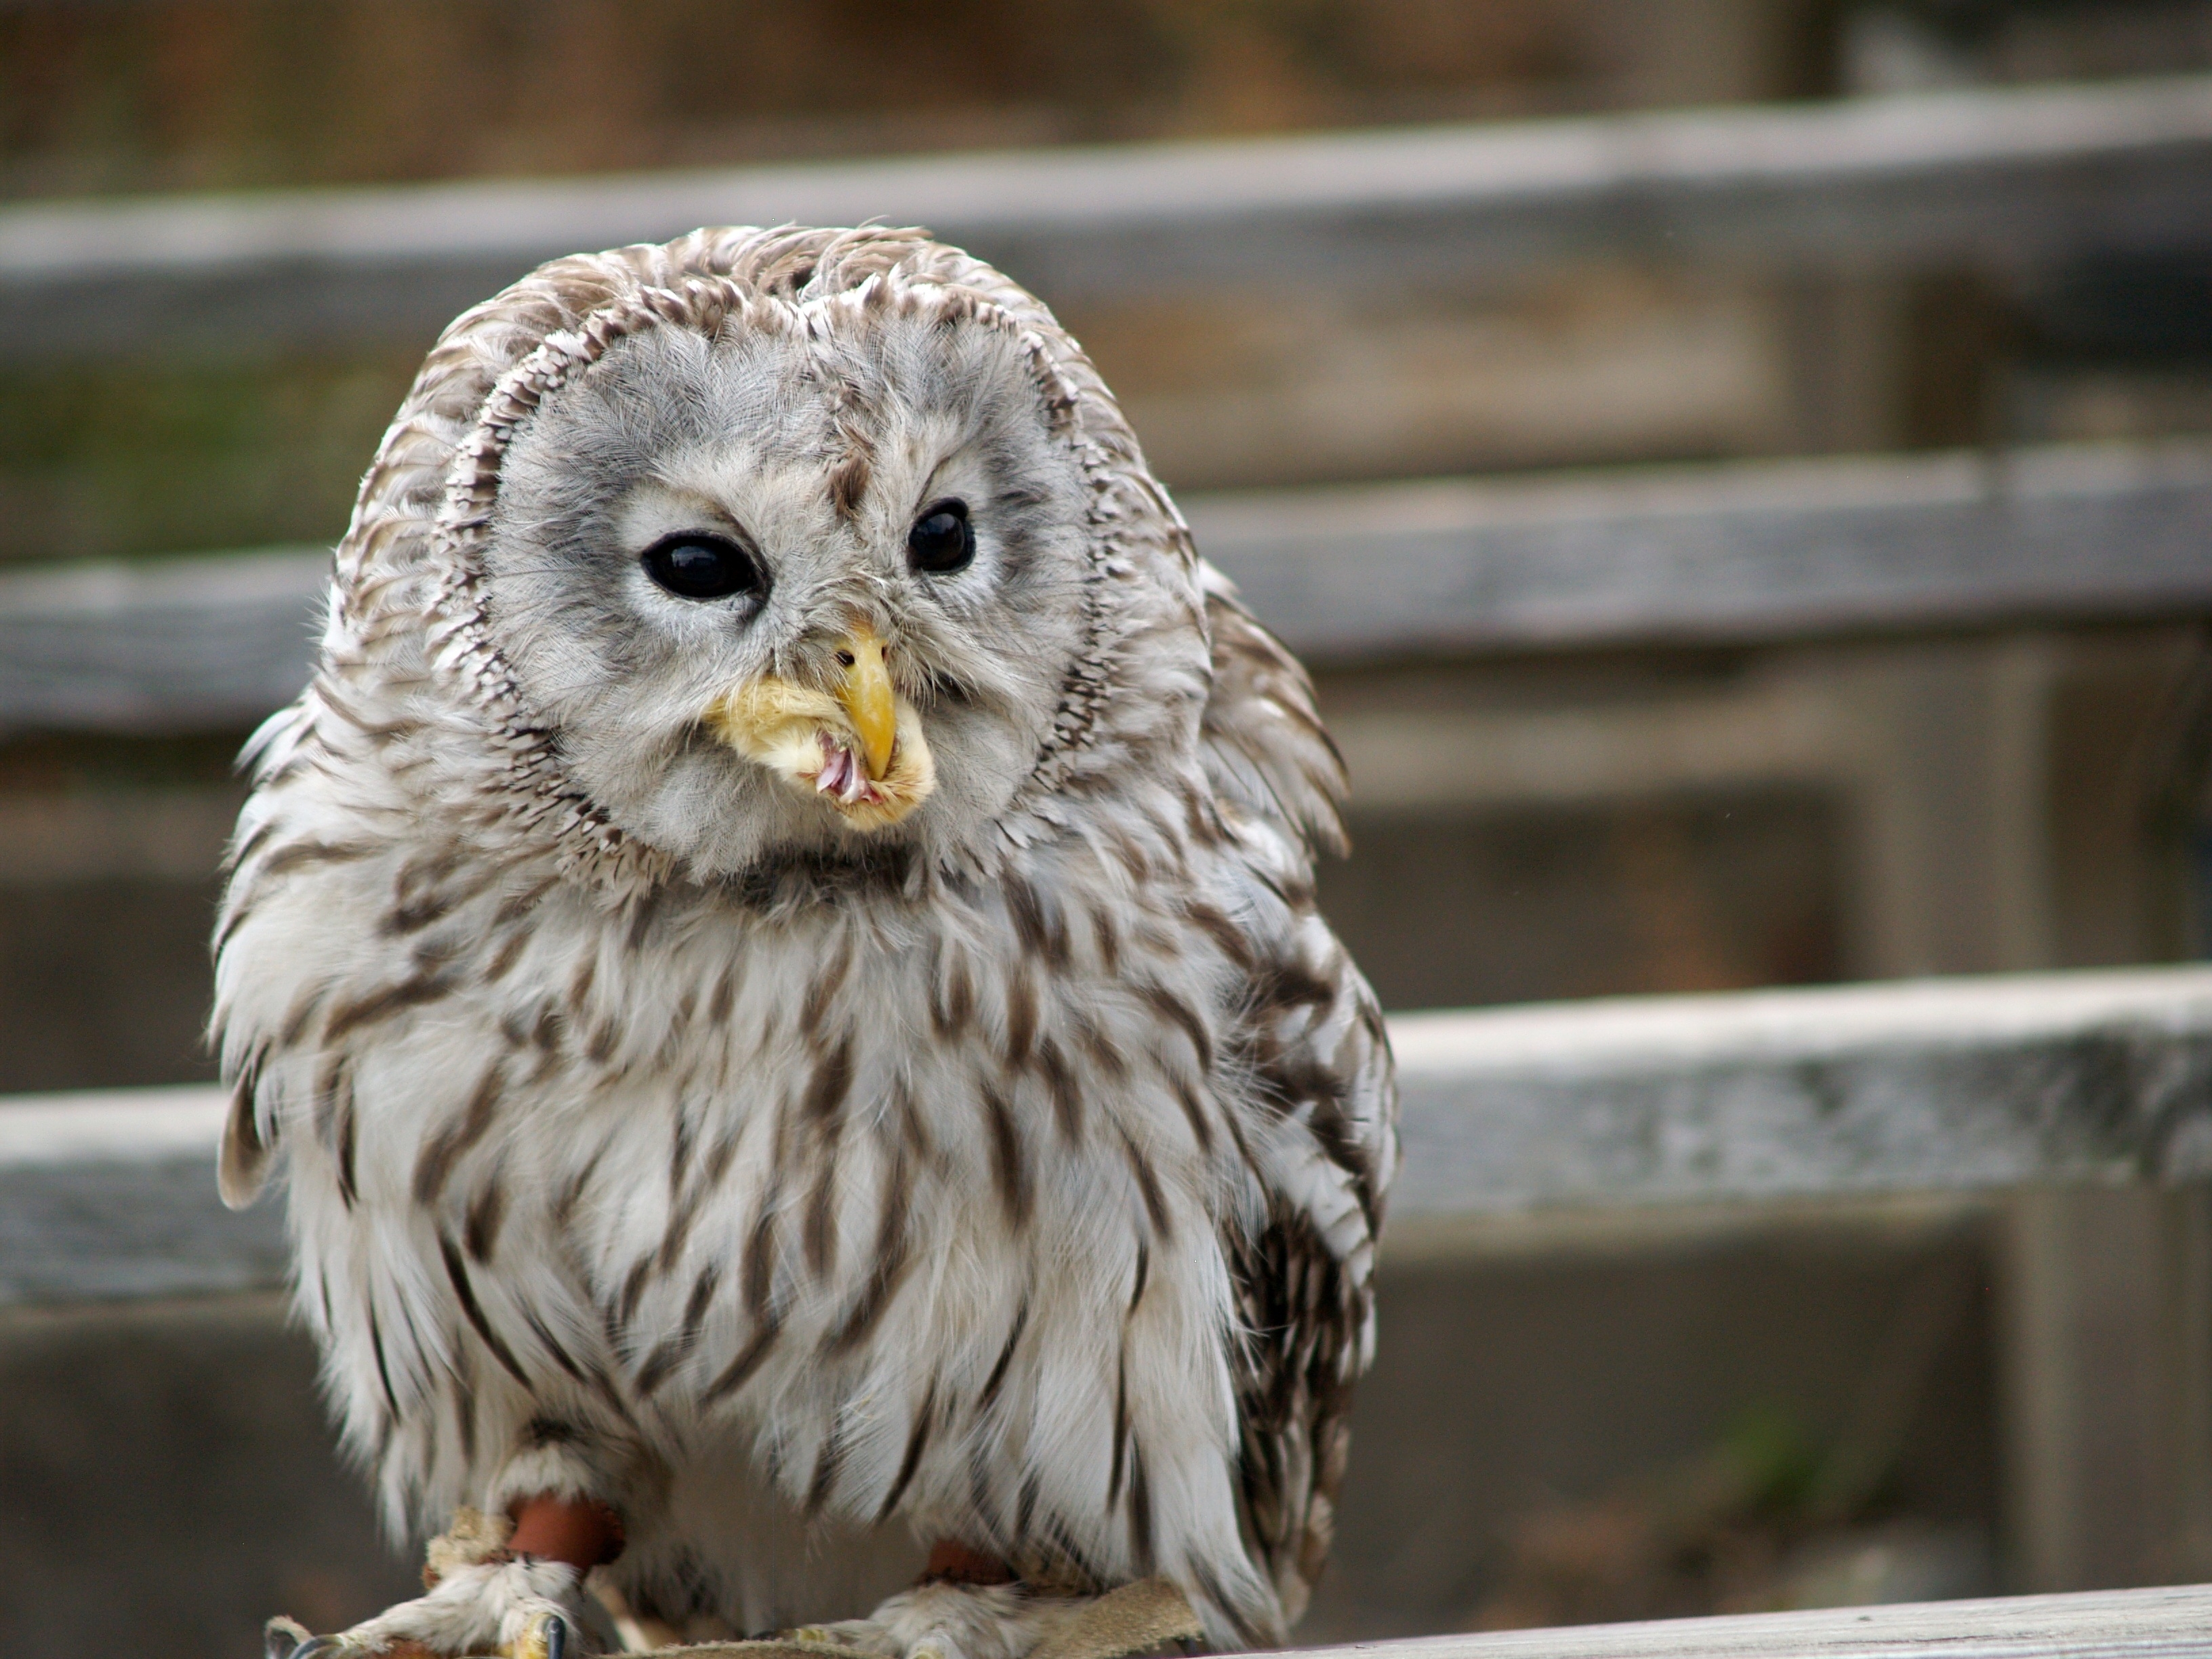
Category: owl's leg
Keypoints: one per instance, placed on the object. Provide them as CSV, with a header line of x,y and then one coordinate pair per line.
x,y
513,1591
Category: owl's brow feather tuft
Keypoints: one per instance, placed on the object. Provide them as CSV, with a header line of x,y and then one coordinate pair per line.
x,y
849,483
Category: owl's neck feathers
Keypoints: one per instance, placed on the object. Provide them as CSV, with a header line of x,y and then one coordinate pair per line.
x,y
408,623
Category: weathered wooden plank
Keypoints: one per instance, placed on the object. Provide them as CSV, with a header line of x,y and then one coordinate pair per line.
x,y
171,644
1746,553
1992,176
1961,1085
1931,1085
1751,552
2096,1624
112,1195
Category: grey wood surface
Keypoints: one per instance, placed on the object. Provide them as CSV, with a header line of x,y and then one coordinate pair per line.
x,y
161,646
2000,176
1749,552
1910,1087
1744,553
1914,1085
2173,1621
112,1195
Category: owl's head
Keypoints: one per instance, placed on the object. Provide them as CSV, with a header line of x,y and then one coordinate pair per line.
x,y
774,542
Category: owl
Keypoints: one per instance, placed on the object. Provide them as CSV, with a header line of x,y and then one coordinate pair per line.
x,y
778,955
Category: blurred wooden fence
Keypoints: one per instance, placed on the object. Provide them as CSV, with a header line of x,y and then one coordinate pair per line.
x,y
2010,178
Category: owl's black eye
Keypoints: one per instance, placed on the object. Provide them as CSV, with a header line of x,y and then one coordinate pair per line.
x,y
942,539
695,566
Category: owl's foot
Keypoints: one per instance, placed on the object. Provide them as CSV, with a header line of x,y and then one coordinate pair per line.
x,y
1012,1621
949,1621
524,1609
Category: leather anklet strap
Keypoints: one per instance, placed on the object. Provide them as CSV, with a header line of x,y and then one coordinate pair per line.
x,y
585,1534
955,1563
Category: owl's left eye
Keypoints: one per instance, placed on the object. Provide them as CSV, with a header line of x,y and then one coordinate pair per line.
x,y
942,539
695,566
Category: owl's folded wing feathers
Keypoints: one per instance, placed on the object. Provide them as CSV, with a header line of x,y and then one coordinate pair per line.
x,y
1265,750
1316,1048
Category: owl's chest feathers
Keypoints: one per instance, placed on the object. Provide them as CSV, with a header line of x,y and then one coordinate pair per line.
x,y
717,1143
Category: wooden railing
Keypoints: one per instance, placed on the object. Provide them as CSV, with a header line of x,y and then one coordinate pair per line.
x,y
2005,177
2170,1624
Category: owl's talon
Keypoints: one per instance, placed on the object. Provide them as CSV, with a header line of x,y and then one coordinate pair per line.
x,y
547,1638
282,1638
315,1647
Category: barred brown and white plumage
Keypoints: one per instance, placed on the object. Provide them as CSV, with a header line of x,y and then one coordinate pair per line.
x,y
780,951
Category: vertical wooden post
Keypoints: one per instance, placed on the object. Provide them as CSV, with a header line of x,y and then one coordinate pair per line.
x,y
2108,1386
2189,1377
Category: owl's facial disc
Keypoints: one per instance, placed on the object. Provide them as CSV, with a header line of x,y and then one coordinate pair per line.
x,y
860,749
796,593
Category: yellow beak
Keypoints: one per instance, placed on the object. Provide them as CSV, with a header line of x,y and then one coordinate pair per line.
x,y
866,692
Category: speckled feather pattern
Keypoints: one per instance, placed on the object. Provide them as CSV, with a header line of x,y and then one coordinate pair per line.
x,y
1013,1177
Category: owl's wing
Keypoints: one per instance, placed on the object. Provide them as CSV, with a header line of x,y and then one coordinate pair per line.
x,y
1324,1142
1265,748
1325,1134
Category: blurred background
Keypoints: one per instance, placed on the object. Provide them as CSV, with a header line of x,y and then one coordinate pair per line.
x,y
1574,1417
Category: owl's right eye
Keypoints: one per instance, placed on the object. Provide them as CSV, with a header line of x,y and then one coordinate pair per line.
x,y
695,566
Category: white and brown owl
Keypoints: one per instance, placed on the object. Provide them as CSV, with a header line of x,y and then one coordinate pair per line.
x,y
778,951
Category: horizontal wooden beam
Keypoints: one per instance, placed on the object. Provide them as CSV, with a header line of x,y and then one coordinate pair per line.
x,y
203,643
111,1195
1962,1085
2171,1622
1745,554
1980,177
1927,1086
1748,553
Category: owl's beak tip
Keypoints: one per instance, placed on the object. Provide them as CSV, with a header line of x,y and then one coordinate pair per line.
x,y
852,745
869,701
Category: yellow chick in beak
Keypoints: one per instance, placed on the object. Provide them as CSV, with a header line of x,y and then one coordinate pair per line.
x,y
860,749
